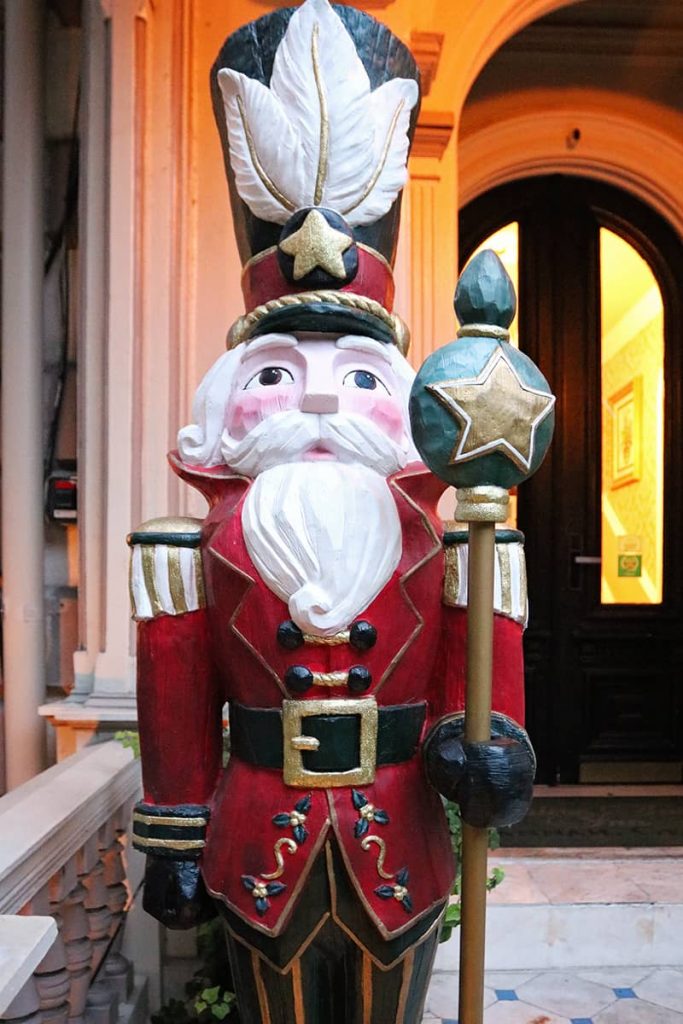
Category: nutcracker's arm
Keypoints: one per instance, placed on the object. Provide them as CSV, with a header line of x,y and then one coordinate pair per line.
x,y
179,716
493,781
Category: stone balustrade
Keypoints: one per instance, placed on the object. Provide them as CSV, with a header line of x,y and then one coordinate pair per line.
x,y
64,893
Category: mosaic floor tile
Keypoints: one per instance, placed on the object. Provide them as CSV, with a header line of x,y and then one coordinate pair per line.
x,y
565,993
616,977
635,1011
519,1012
664,987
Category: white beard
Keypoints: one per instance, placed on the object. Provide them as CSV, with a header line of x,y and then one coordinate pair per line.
x,y
325,537
287,436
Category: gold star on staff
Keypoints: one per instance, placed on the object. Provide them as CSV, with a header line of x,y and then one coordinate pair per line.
x,y
317,244
497,412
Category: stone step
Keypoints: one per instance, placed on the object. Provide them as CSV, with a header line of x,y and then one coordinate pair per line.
x,y
573,908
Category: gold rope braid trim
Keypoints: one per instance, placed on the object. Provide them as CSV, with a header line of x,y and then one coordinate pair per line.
x,y
337,640
242,328
330,678
170,844
289,845
156,819
365,845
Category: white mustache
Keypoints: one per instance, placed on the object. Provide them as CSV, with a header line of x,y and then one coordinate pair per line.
x,y
286,437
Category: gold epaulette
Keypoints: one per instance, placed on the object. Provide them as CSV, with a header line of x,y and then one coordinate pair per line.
x,y
166,575
510,590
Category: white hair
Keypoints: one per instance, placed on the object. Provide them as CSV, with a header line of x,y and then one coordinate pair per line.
x,y
199,443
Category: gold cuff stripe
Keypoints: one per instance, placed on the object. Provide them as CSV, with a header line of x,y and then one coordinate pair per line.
x,y
170,844
156,819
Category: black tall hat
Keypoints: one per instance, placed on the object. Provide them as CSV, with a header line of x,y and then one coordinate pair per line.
x,y
316,107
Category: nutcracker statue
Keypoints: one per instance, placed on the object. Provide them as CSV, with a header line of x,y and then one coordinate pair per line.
x,y
319,597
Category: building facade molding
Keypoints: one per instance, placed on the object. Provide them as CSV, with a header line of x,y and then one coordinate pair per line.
x,y
631,144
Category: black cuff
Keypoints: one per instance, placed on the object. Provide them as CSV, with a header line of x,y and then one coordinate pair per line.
x,y
177,831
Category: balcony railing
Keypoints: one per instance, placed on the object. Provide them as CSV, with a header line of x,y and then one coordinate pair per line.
x,y
64,893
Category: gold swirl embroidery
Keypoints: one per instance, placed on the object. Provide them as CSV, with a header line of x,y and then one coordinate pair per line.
x,y
291,846
365,844
323,154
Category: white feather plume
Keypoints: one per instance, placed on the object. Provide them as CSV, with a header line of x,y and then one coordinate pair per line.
x,y
318,136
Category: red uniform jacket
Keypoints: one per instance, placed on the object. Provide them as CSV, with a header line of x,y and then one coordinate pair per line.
x,y
190,664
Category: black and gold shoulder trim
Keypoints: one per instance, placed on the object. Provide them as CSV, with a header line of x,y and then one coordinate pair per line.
x,y
166,575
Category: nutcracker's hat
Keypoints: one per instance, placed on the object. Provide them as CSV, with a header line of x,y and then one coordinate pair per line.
x,y
316,106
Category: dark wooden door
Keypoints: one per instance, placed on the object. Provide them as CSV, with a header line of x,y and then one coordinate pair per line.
x,y
604,682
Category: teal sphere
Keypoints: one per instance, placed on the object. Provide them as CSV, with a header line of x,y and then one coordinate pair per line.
x,y
438,430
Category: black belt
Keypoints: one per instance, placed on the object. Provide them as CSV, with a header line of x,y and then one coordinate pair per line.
x,y
256,736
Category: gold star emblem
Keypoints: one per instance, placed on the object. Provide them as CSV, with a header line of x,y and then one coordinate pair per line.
x,y
317,244
496,411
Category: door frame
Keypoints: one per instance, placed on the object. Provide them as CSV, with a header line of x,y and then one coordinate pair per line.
x,y
655,240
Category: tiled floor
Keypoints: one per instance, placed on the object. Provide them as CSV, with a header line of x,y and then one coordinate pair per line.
x,y
614,995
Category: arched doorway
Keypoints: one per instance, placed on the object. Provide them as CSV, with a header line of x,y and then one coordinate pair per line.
x,y
603,650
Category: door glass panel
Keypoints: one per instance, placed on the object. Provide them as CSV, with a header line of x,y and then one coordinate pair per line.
x,y
632,426
505,244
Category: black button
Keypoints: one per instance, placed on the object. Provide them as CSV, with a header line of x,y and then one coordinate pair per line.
x,y
298,678
359,679
363,635
289,635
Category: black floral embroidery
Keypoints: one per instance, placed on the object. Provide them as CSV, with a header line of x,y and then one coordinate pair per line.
x,y
399,891
367,813
261,891
296,818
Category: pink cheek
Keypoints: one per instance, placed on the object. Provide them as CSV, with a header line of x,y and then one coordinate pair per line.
x,y
384,412
246,410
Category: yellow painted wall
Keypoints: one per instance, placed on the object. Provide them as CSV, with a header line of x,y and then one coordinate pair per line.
x,y
635,508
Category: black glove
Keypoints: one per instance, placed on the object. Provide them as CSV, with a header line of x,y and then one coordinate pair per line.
x,y
174,893
492,782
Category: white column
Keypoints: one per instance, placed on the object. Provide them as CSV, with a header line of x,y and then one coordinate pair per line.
x,y
22,369
91,336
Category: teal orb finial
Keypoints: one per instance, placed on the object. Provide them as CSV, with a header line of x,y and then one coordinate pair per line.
x,y
485,294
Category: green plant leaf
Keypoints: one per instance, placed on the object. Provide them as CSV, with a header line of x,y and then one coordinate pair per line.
x,y
452,915
130,739
200,1005
210,995
221,1010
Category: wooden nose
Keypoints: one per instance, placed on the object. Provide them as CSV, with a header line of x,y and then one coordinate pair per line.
x,y
320,403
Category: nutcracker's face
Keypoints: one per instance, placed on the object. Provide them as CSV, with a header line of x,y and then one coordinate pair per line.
x,y
279,373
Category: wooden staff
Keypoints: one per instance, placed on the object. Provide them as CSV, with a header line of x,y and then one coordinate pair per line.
x,y
488,504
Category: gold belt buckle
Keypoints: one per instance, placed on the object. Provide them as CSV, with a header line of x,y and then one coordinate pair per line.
x,y
295,744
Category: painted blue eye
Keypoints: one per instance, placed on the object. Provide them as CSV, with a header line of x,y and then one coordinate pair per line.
x,y
361,379
269,376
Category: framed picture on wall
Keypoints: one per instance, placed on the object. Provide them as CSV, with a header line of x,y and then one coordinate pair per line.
x,y
626,408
